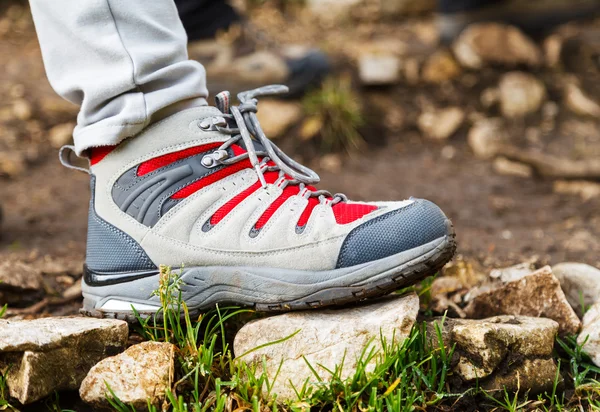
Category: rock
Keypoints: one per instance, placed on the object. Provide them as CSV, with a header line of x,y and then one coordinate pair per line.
x,y
515,272
311,127
331,162
520,94
590,333
550,110
486,137
395,118
506,167
538,294
580,282
276,117
55,353
490,97
378,69
331,9
405,7
144,372
19,283
324,338
410,70
22,109
489,342
440,67
583,188
579,103
12,163
536,375
61,134
490,350
552,50
483,44
446,294
442,123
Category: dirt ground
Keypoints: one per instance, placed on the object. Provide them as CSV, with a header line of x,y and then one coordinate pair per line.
x,y
499,219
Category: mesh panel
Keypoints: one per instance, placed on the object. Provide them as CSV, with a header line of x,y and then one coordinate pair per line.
x,y
417,224
288,192
110,249
312,203
224,210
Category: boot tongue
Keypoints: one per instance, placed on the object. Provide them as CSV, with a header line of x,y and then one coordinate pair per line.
x,y
258,146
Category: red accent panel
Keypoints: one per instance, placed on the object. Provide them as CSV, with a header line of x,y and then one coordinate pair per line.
x,y
287,193
270,177
164,160
349,212
238,150
312,203
99,153
210,179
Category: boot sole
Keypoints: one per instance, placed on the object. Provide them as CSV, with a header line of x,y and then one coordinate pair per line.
x,y
274,290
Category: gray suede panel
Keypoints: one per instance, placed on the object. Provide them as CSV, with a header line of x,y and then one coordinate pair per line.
x,y
110,249
403,229
147,198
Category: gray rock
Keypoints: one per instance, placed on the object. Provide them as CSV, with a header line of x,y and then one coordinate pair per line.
x,y
19,283
276,117
579,102
55,353
485,344
590,333
492,351
331,9
578,281
514,272
440,124
538,295
535,375
378,69
61,134
325,338
482,44
486,137
520,94
506,167
143,372
585,189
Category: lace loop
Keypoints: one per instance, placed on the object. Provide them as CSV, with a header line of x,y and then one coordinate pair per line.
x,y
243,124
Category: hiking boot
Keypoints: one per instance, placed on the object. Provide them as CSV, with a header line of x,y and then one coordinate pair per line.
x,y
533,17
243,58
205,192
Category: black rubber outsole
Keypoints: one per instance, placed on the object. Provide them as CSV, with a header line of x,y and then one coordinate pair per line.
x,y
420,269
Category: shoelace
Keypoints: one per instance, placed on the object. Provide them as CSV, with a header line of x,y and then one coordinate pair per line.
x,y
242,123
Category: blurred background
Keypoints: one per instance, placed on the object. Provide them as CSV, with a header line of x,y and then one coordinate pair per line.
x,y
498,123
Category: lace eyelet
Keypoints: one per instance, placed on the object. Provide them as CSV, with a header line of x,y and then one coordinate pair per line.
x,y
211,123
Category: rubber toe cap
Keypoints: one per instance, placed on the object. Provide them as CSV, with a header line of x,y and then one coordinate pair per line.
x,y
402,229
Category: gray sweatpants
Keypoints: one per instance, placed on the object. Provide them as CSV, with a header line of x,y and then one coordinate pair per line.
x,y
124,62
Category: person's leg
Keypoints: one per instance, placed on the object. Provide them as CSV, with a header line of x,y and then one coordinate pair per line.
x,y
124,62
202,19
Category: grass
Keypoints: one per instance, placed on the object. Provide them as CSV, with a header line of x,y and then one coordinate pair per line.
x,y
411,375
334,115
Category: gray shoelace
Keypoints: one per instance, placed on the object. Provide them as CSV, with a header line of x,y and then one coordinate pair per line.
x,y
241,123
